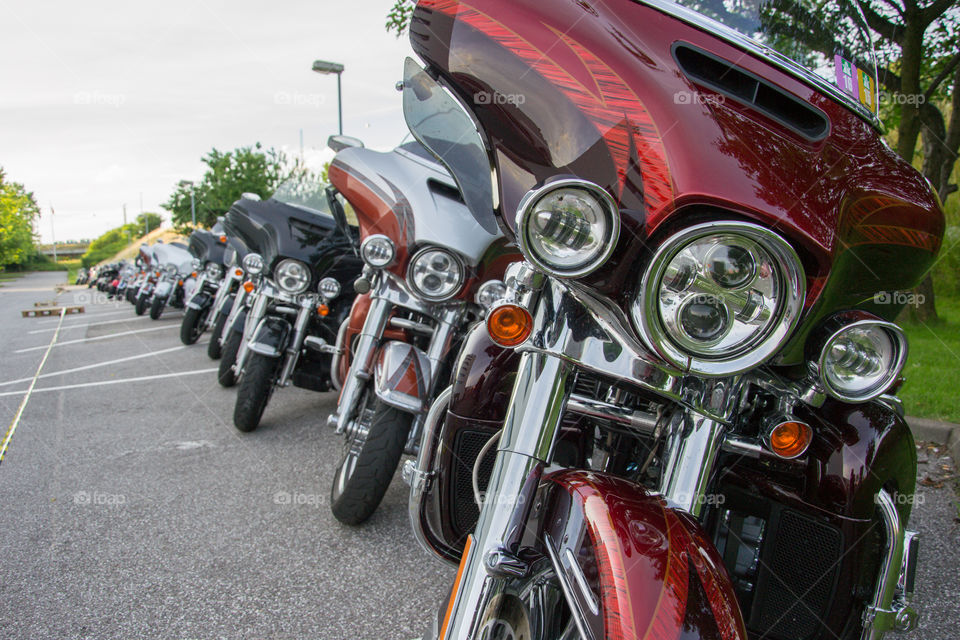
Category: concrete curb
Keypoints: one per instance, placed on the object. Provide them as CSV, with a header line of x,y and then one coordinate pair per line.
x,y
946,433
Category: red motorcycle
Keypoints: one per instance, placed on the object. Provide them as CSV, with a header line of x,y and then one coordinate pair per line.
x,y
680,420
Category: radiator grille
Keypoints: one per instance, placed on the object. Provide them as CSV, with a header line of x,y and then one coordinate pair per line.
x,y
466,448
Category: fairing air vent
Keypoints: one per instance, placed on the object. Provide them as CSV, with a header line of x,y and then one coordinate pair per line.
x,y
738,84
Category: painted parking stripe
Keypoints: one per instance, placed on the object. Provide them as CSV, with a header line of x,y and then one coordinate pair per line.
x,y
94,339
102,383
90,324
87,315
97,365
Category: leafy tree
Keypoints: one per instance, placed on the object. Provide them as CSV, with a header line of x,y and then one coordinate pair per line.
x,y
146,222
228,176
398,18
18,210
107,245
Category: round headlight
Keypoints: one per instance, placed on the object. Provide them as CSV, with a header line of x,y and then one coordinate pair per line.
x,y
195,264
435,274
329,288
292,276
214,271
568,228
489,292
860,361
171,269
253,264
378,251
720,298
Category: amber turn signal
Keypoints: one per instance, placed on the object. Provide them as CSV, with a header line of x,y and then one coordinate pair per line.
x,y
239,272
323,310
193,274
223,238
509,325
248,286
790,439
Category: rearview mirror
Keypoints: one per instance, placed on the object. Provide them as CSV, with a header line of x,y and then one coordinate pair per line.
x,y
339,143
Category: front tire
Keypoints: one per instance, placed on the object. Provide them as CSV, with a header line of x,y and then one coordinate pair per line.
x,y
369,461
214,348
192,326
253,394
156,307
231,348
141,306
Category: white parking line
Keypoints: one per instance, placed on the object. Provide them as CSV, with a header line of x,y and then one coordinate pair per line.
x,y
102,383
84,326
87,315
112,335
98,364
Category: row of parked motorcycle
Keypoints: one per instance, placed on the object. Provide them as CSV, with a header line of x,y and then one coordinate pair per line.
x,y
617,301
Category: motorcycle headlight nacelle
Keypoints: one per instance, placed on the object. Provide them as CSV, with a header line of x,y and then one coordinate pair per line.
x,y
171,269
253,264
292,276
435,274
378,251
329,288
568,228
720,298
213,271
861,360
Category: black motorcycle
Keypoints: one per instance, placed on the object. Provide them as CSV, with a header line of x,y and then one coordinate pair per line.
x,y
303,256
208,249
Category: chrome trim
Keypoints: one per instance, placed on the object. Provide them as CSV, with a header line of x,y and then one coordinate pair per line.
x,y
411,325
366,242
239,302
583,626
766,54
893,403
461,271
646,314
899,340
641,421
689,457
532,197
258,309
422,473
295,345
889,610
753,449
337,355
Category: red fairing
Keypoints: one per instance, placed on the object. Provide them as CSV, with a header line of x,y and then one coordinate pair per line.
x,y
658,575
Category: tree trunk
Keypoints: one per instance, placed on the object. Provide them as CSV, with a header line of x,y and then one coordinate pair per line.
x,y
951,142
912,52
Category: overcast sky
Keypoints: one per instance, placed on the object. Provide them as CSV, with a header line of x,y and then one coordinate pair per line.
x,y
101,101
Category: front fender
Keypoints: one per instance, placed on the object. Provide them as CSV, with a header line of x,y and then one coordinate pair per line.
x,y
163,289
200,301
400,376
270,337
651,570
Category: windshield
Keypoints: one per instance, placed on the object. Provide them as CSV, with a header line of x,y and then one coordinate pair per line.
x,y
309,194
442,125
826,43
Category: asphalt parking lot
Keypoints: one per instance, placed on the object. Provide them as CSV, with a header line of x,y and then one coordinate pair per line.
x,y
132,508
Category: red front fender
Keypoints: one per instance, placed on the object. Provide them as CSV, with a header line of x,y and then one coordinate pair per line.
x,y
653,570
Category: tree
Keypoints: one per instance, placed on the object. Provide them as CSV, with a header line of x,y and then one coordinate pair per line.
x,y
398,18
18,210
147,222
228,176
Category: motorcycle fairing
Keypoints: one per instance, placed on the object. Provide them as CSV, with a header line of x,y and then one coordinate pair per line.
x,y
400,376
270,337
654,572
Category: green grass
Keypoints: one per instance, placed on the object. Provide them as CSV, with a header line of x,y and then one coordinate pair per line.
x,y
933,368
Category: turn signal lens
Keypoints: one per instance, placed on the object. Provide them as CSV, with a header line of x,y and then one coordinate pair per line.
x,y
248,286
223,238
193,274
239,272
323,310
509,325
790,439
179,283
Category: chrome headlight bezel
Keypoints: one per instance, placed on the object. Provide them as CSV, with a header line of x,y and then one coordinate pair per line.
x,y
253,264
213,271
329,288
898,359
450,290
294,270
592,260
489,293
370,247
170,269
790,279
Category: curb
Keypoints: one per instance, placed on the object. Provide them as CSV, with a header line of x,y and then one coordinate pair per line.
x,y
934,431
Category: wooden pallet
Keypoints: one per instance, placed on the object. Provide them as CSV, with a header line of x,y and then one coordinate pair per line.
x,y
45,311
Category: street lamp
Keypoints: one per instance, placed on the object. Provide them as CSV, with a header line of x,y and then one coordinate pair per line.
x,y
326,68
193,204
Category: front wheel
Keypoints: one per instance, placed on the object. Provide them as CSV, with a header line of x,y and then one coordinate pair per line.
x,y
156,307
214,348
253,394
370,457
141,306
231,348
192,326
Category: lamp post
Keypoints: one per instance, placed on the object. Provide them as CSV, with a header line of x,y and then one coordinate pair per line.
x,y
326,68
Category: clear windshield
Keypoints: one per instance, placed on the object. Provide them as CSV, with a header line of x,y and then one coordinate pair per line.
x,y
305,193
828,40
442,125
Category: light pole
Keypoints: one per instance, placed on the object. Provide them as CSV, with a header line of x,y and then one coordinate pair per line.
x,y
326,68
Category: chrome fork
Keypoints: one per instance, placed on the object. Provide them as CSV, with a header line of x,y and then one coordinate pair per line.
x,y
238,303
257,310
307,305
437,351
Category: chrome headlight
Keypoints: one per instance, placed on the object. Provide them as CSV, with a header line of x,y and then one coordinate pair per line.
x,y
861,360
378,251
253,264
292,276
196,264
720,298
568,228
329,288
213,271
171,269
489,292
435,274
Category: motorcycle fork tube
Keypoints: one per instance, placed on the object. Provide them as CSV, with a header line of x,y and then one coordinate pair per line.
x,y
526,446
238,304
367,341
296,341
691,453
257,310
197,289
436,353
223,293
